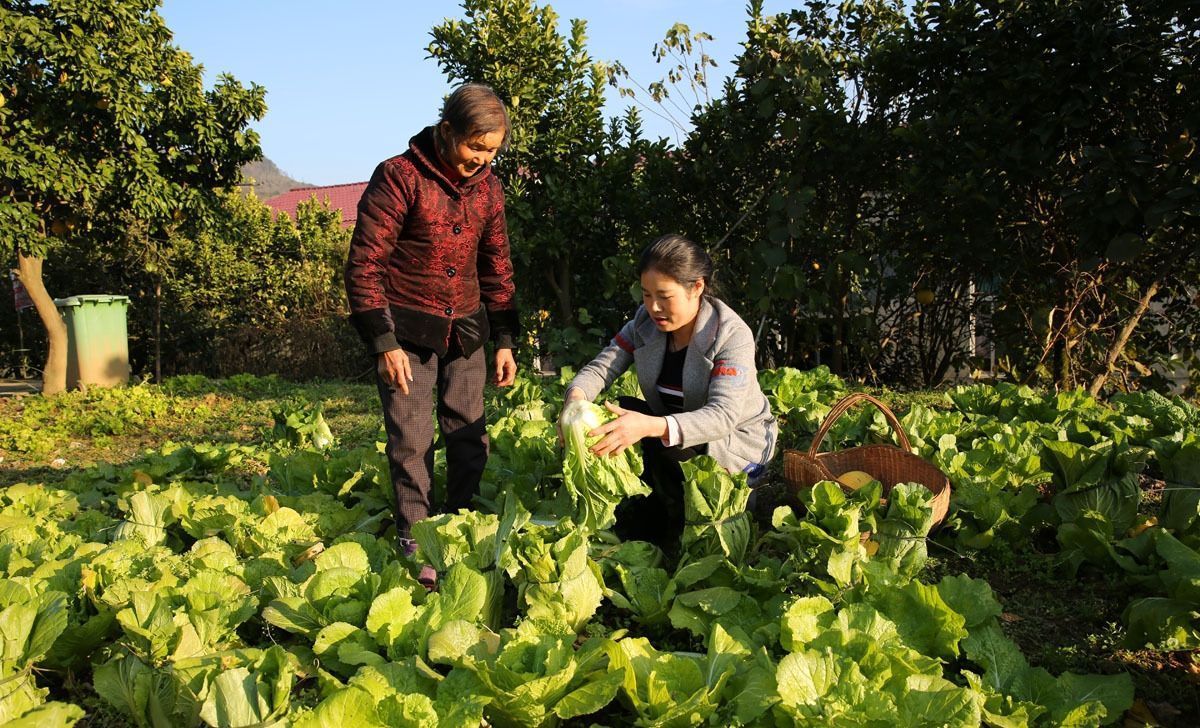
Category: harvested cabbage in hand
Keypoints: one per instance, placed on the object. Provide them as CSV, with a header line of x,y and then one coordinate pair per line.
x,y
596,484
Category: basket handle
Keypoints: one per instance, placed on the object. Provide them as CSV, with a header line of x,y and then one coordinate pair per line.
x,y
844,406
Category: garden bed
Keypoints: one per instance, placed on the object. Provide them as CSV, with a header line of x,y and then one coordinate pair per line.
x,y
1062,602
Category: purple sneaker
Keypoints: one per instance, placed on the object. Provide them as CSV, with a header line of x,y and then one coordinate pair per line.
x,y
427,576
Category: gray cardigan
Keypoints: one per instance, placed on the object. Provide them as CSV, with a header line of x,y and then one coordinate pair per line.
x,y
723,404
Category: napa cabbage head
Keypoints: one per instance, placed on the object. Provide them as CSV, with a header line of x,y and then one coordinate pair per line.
x,y
596,484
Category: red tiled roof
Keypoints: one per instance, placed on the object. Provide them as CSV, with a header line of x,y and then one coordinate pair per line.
x,y
340,197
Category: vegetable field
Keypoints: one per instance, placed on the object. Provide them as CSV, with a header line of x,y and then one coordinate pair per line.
x,y
220,553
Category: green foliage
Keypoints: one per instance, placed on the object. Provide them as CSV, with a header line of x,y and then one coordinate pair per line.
x,y
797,152
477,540
176,570
714,511
210,592
557,582
1168,621
107,122
117,163
534,678
253,271
30,622
646,592
666,688
858,203
869,168
244,293
801,399
847,539
303,427
110,141
1026,128
1180,463
596,484
254,695
43,423
903,530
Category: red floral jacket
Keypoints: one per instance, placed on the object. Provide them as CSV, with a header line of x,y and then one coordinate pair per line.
x,y
429,260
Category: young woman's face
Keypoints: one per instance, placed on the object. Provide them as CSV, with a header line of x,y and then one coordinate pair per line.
x,y
670,304
471,155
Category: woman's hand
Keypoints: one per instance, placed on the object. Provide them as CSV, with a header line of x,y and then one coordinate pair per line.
x,y
626,429
506,368
394,369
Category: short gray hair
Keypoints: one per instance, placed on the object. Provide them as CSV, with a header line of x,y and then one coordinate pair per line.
x,y
473,110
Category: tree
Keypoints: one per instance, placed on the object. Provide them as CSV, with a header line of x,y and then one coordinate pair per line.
x,y
107,131
236,287
796,156
1056,139
1033,161
685,83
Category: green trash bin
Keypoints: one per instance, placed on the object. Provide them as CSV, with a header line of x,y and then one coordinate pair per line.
x,y
97,340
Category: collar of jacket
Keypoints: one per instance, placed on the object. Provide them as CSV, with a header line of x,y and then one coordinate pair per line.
x,y
697,366
425,154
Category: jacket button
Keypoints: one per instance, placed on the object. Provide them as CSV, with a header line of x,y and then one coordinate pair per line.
x,y
450,272
457,229
449,310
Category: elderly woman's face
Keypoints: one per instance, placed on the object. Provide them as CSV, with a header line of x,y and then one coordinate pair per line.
x,y
471,155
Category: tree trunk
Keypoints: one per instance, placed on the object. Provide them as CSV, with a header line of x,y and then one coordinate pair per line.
x,y
843,337
1066,338
837,359
923,348
1118,345
54,374
1066,368
158,331
560,282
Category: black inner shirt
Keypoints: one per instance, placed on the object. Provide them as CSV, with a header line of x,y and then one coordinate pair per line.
x,y
670,381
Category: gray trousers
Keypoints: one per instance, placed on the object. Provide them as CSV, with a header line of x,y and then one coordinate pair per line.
x,y
408,419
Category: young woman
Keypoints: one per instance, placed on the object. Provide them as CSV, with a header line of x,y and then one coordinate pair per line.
x,y
428,278
695,365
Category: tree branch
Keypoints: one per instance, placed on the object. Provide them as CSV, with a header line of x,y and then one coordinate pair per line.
x,y
1118,345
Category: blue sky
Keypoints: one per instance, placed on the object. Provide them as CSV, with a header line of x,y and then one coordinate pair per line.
x,y
348,83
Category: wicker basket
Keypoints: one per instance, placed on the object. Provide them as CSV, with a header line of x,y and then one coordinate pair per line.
x,y
889,464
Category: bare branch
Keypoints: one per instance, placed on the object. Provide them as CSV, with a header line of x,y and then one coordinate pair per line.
x,y
1118,345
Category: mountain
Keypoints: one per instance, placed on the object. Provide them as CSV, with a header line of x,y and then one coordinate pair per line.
x,y
268,180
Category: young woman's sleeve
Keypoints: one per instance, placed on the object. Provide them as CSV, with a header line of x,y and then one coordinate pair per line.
x,y
599,374
733,377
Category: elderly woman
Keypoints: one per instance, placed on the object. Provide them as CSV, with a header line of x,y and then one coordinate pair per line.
x,y
429,279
